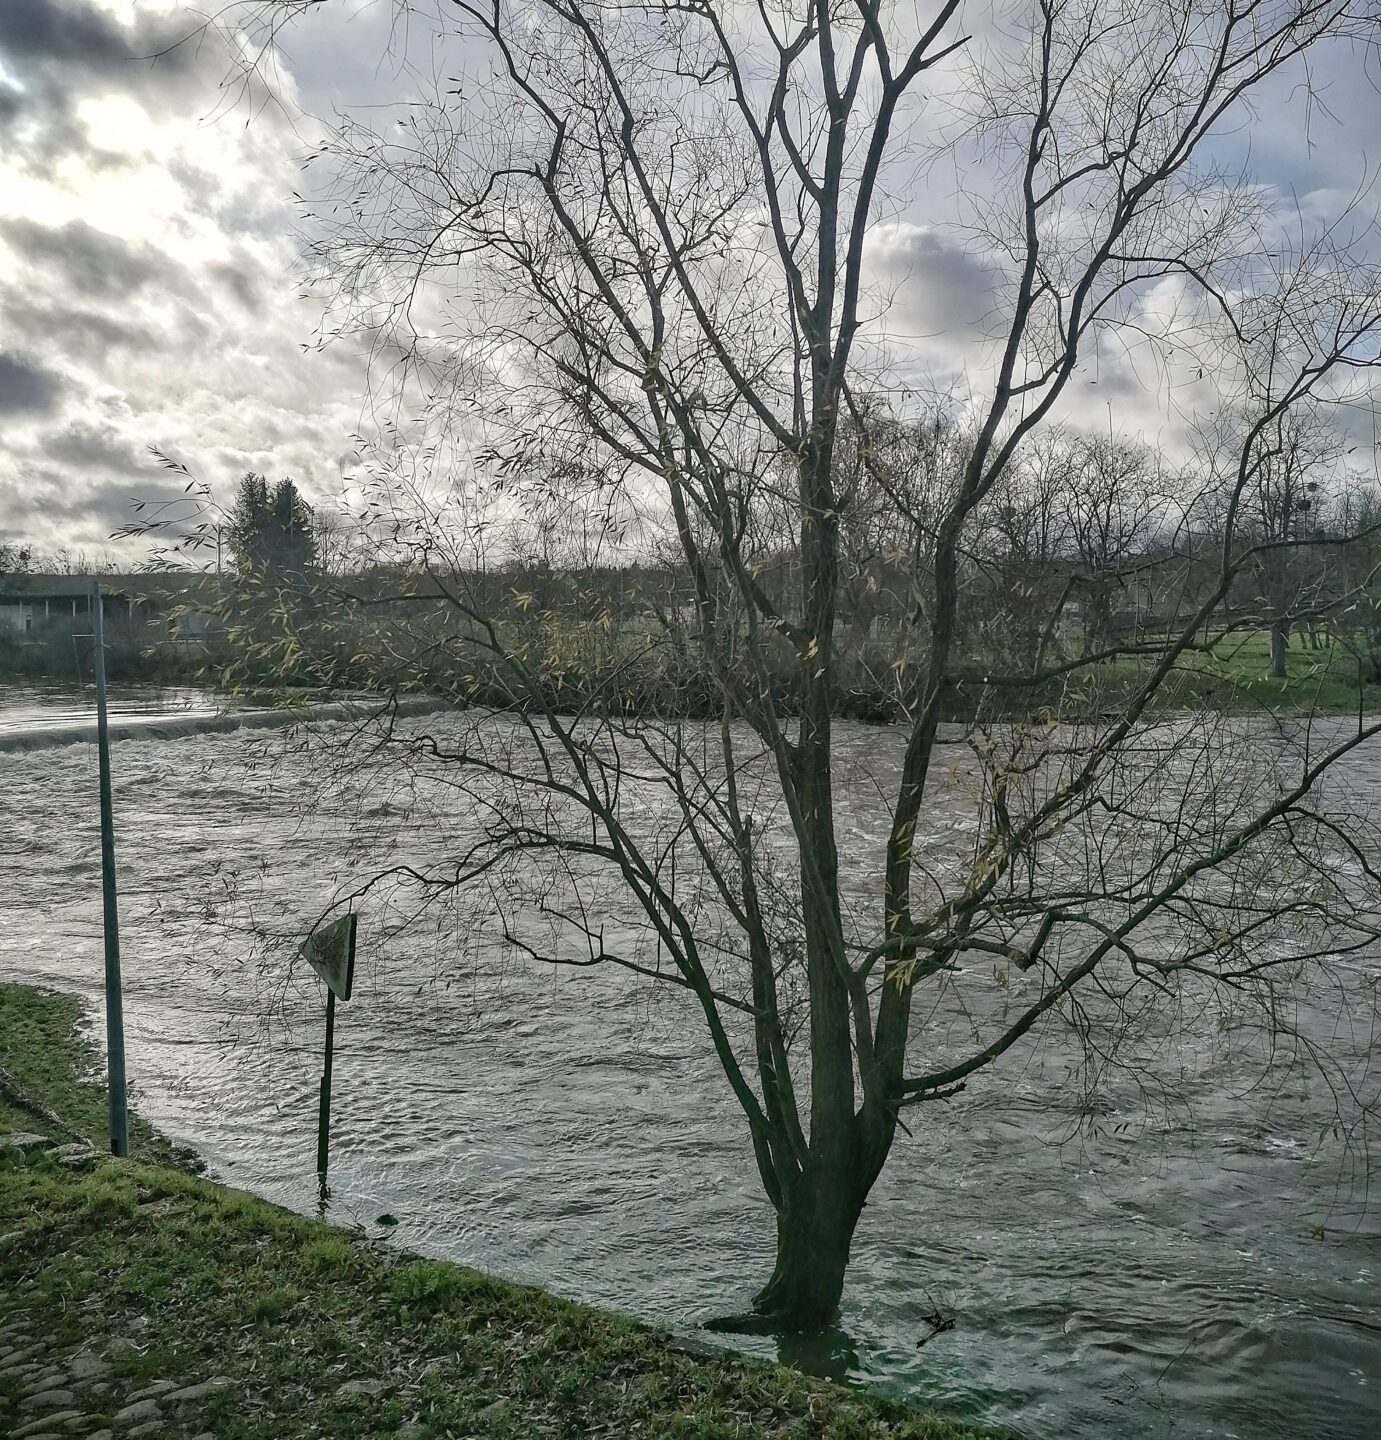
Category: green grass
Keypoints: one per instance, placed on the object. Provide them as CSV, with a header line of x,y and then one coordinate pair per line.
x,y
40,1048
1234,675
1324,679
205,1281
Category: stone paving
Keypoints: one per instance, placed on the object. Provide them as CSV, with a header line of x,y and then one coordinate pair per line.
x,y
70,1391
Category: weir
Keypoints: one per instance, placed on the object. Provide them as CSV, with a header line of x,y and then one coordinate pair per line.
x,y
174,726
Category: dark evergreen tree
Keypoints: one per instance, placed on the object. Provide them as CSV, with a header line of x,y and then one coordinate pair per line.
x,y
270,528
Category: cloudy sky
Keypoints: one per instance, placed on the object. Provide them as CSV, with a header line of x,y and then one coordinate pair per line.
x,y
146,252
148,231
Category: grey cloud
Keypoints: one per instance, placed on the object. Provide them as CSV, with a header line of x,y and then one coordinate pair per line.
x,y
53,507
89,278
238,282
67,33
77,35
92,447
83,333
26,387
1359,430
61,51
93,261
941,288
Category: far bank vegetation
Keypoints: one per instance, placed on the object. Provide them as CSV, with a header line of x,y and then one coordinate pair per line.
x,y
1091,553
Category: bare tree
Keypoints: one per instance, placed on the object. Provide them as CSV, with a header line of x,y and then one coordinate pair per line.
x,y
642,230
1356,613
14,559
1286,509
1117,507
895,479
1028,549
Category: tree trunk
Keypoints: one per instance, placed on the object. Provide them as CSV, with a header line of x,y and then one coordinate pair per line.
x,y
1280,634
1097,617
814,1234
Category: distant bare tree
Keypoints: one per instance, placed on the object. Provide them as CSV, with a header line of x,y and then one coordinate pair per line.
x,y
1116,506
1027,558
1285,511
1356,615
14,559
335,541
643,232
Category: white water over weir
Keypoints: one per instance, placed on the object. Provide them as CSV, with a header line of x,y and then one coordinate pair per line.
x,y
70,729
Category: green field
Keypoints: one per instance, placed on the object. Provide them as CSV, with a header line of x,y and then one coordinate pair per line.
x,y
1232,673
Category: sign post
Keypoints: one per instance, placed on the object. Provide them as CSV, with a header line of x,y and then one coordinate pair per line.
x,y
114,1002
331,953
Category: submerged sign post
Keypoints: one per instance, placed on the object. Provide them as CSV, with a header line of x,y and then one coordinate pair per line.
x,y
331,953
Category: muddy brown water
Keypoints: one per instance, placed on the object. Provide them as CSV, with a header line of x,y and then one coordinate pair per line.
x,y
1208,1266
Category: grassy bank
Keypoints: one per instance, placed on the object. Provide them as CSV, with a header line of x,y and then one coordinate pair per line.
x,y
1232,675
153,1279
635,672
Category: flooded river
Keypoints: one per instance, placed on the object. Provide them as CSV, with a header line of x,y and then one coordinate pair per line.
x,y
1205,1265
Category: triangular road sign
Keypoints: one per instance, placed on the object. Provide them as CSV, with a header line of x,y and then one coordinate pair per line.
x,y
330,951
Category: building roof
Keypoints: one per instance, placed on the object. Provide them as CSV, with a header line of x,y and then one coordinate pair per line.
x,y
24,589
17,589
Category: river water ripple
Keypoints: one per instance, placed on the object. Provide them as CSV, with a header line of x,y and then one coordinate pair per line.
x,y
1211,1269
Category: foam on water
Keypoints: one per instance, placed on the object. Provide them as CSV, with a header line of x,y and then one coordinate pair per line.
x,y
34,719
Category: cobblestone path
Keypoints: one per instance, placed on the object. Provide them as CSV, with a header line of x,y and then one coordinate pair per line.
x,y
67,1391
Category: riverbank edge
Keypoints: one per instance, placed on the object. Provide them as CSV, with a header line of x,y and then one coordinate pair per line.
x,y
135,1294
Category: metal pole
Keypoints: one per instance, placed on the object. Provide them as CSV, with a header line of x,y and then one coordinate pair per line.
x,y
114,1003
323,1131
